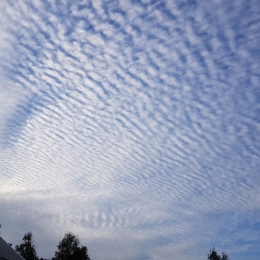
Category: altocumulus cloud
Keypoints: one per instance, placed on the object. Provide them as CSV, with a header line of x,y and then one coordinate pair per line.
x,y
134,124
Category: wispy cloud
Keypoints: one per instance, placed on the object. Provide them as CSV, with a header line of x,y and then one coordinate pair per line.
x,y
134,124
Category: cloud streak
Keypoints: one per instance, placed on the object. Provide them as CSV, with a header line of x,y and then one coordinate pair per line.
x,y
134,124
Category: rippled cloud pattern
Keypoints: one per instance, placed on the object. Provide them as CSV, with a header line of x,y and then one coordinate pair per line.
x,y
134,124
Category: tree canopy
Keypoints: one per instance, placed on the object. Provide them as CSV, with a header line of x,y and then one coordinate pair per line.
x,y
27,248
69,248
213,255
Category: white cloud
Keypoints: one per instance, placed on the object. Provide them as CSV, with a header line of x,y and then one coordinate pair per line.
x,y
136,118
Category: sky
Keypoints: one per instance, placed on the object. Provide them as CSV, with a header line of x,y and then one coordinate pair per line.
x,y
133,124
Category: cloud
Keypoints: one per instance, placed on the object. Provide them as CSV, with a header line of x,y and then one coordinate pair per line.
x,y
134,124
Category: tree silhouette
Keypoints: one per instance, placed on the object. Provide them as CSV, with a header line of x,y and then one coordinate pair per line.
x,y
69,248
27,249
224,256
213,255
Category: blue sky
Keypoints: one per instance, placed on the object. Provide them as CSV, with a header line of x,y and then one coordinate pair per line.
x,y
133,124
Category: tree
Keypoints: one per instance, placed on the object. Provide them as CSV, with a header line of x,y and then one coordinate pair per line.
x,y
213,255
224,256
69,248
27,249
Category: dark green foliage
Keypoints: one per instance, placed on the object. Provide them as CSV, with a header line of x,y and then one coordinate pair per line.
x,y
213,255
224,256
70,249
27,249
